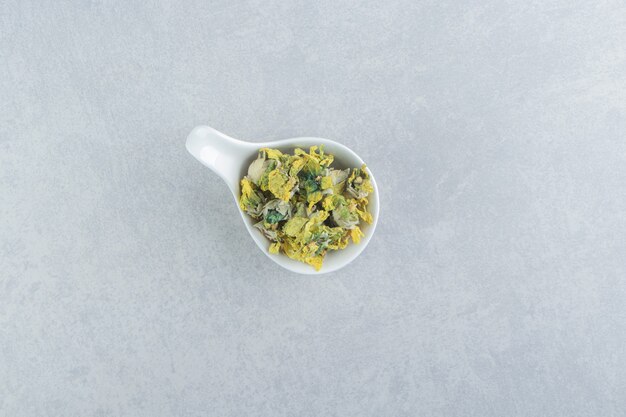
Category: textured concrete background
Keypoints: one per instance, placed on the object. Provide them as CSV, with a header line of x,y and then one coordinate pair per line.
x,y
495,285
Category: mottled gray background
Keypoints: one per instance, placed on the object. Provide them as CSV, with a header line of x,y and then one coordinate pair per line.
x,y
495,285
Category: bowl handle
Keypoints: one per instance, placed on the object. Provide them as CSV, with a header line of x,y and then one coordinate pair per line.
x,y
219,152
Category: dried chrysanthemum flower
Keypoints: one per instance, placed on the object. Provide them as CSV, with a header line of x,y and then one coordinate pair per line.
x,y
304,206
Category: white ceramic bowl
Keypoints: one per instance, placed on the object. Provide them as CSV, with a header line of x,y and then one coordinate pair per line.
x,y
229,158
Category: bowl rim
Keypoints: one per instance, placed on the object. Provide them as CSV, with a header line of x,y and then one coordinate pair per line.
x,y
282,259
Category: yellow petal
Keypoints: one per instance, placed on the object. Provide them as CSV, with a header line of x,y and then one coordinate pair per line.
x,y
272,153
315,262
275,247
246,187
294,225
356,234
280,185
296,166
313,198
367,217
329,203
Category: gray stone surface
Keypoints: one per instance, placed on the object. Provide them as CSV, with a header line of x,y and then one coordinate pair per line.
x,y
495,285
